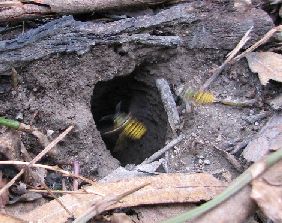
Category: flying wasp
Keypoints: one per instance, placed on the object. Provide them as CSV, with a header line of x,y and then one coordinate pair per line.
x,y
126,126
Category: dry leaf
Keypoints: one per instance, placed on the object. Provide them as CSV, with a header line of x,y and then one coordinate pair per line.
x,y
267,191
163,189
269,138
9,219
268,65
120,218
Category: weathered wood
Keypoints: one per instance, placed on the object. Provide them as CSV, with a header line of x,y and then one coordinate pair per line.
x,y
208,30
23,10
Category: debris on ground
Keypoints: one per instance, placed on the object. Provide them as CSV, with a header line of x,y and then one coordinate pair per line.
x,y
162,189
267,192
268,65
168,103
267,140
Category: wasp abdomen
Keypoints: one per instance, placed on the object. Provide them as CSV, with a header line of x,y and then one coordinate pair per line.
x,y
134,129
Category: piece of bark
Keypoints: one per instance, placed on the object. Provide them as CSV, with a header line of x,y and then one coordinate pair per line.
x,y
42,8
169,104
165,188
269,138
67,35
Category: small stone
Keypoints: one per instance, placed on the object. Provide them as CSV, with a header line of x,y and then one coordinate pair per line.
x,y
200,161
19,116
256,123
49,132
183,111
207,162
252,112
13,93
200,157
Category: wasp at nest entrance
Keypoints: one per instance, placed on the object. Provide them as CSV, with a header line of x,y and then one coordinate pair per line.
x,y
130,116
124,126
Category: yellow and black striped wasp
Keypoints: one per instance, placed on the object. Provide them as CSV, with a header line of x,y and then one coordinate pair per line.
x,y
125,125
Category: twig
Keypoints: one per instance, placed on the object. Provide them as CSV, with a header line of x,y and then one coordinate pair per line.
x,y
37,158
157,154
102,204
57,199
54,168
231,159
244,179
66,192
76,172
263,40
231,55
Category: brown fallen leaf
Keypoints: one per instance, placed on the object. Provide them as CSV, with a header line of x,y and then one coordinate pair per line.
x,y
267,191
163,189
268,65
10,219
269,138
120,218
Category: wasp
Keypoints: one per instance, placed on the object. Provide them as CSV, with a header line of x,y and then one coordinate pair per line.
x,y
126,126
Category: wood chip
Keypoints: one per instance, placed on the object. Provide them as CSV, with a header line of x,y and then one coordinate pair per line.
x,y
163,189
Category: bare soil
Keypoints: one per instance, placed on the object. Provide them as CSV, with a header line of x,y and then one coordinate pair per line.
x,y
68,88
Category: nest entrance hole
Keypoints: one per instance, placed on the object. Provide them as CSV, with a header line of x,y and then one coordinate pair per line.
x,y
141,99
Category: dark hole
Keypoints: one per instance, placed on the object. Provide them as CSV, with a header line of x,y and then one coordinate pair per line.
x,y
139,98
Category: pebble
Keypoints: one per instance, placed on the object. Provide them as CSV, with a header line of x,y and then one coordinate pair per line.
x,y
200,161
19,116
200,157
207,162
49,132
256,123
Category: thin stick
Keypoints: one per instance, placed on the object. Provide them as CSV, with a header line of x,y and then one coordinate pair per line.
x,y
54,168
37,158
231,55
66,192
76,172
57,199
263,40
240,182
157,154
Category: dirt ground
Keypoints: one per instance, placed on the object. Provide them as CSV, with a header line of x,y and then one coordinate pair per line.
x,y
68,88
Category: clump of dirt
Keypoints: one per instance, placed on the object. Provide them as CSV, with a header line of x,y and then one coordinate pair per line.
x,y
137,95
